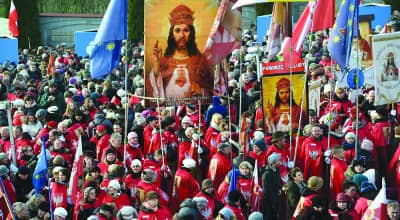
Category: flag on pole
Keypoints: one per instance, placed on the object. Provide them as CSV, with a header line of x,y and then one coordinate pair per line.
x,y
226,33
276,30
242,3
105,51
40,173
51,68
257,190
377,209
13,20
343,32
316,16
76,172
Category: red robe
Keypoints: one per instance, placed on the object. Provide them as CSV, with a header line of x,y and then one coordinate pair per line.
x,y
380,137
185,185
171,137
338,168
261,158
156,141
314,156
147,134
133,153
220,165
211,140
131,183
59,194
102,144
119,201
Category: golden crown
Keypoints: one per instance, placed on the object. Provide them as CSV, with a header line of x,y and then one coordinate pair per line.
x,y
181,14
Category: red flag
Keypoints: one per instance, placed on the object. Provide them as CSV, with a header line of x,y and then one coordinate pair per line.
x,y
377,209
315,17
77,171
51,68
225,34
257,191
13,20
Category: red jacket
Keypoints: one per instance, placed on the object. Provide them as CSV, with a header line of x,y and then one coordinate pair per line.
x,y
59,194
220,165
133,153
211,140
338,168
162,213
102,144
314,156
185,185
261,158
156,141
380,134
147,134
144,187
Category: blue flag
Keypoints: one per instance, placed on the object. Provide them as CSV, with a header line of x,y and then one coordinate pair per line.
x,y
343,32
105,51
233,174
40,174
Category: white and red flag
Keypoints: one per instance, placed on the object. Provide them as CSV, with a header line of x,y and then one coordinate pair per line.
x,y
257,191
77,171
377,209
13,20
226,33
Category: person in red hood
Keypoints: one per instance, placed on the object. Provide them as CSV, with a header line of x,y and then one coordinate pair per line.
x,y
152,209
185,185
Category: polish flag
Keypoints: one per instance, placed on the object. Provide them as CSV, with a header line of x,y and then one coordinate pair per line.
x,y
377,209
77,171
257,191
13,20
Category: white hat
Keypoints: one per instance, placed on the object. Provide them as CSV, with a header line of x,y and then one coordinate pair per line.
x,y
52,109
136,162
186,119
132,134
114,184
367,145
61,212
121,93
189,163
128,212
258,135
350,135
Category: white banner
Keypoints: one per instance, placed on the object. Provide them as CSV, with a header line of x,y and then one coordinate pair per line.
x,y
386,49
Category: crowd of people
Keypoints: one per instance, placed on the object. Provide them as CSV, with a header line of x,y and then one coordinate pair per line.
x,y
188,161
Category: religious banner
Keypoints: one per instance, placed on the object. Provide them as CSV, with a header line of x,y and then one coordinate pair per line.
x,y
176,33
386,49
276,90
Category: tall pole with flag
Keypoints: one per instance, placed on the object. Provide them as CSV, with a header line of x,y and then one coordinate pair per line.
x,y
257,190
13,20
344,30
105,51
76,172
377,209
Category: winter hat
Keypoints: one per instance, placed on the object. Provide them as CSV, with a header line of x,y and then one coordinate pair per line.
x,y
256,216
367,187
226,213
151,118
132,134
342,197
234,196
223,145
169,121
4,171
115,184
277,136
315,183
23,170
136,162
52,124
189,163
206,184
367,145
258,135
260,143
186,119
61,212
350,135
128,212
358,179
273,158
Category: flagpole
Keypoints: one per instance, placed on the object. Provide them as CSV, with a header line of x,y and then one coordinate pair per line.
x,y
240,94
357,68
126,105
10,128
7,199
290,84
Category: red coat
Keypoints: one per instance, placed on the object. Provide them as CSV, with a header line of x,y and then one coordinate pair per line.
x,y
338,168
210,203
187,149
245,187
171,137
261,158
380,134
185,185
156,167
156,141
130,183
133,153
220,165
119,201
102,144
314,156
147,134
161,214
222,192
301,154
59,194
211,140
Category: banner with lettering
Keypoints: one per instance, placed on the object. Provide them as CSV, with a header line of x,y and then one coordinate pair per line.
x,y
386,49
277,88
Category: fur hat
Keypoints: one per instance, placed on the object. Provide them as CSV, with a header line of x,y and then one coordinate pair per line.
x,y
128,212
367,145
115,184
350,135
315,183
61,212
189,163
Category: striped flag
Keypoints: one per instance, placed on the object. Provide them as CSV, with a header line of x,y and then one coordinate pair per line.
x,y
257,191
13,20
77,169
226,33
